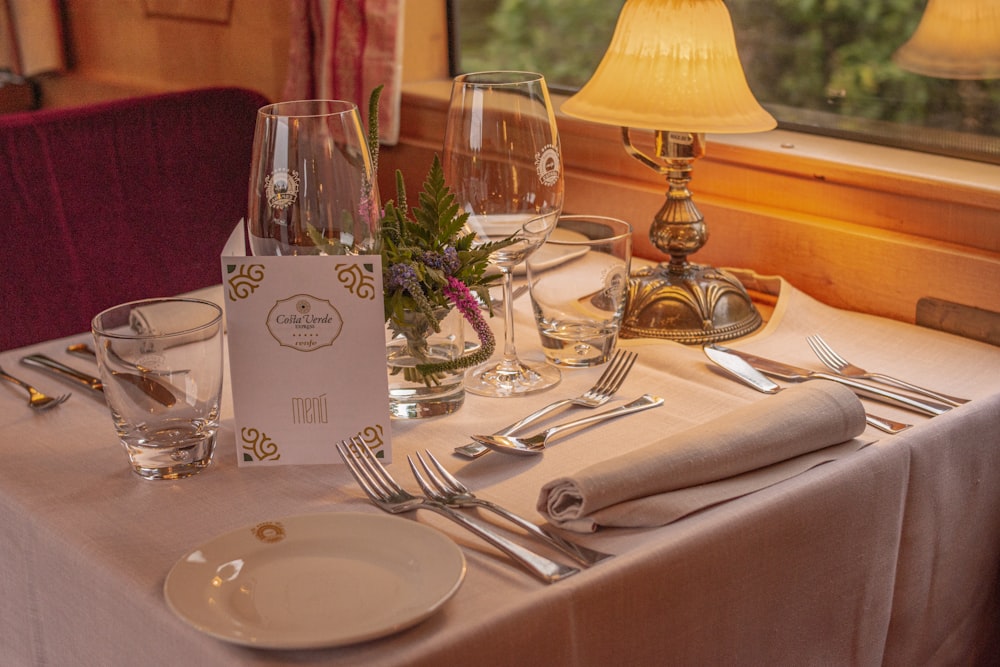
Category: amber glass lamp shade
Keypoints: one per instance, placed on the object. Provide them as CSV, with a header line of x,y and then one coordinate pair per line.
x,y
672,65
955,39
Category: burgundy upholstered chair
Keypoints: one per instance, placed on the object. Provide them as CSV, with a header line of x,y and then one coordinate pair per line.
x,y
117,201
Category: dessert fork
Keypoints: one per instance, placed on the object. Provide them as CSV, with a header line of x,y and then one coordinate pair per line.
x,y
441,485
603,390
37,400
390,497
841,366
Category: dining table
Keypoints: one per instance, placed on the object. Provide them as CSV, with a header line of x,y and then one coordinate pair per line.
x,y
888,555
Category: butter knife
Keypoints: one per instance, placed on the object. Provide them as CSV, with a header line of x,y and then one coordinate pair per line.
x,y
791,373
738,368
148,386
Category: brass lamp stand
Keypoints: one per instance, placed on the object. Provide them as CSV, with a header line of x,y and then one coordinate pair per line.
x,y
688,303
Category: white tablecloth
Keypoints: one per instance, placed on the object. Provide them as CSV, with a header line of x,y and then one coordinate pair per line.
x,y
888,556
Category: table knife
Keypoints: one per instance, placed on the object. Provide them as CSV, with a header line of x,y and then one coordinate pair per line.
x,y
791,373
148,386
738,368
63,371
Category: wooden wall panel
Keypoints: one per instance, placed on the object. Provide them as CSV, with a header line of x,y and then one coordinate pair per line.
x,y
118,44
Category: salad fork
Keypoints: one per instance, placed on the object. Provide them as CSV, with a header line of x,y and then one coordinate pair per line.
x,y
841,366
37,400
442,486
390,497
603,390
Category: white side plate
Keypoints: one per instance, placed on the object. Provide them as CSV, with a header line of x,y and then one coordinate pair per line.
x,y
315,581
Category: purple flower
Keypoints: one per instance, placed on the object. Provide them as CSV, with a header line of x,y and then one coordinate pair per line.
x,y
401,276
450,260
459,294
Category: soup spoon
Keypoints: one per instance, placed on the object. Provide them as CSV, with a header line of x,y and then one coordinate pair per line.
x,y
534,444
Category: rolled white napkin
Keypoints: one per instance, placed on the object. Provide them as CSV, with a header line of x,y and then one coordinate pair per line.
x,y
173,316
175,319
748,449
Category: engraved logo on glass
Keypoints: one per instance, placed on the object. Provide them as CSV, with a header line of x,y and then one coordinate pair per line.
x,y
547,165
282,188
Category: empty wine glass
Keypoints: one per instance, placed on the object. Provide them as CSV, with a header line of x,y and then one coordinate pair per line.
x,y
503,163
312,184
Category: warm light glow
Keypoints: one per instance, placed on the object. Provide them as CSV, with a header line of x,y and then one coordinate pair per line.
x,y
956,39
672,65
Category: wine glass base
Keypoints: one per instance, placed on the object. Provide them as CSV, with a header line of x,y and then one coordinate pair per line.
x,y
502,379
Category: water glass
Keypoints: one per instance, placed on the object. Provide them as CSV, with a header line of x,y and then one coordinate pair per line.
x,y
578,282
160,361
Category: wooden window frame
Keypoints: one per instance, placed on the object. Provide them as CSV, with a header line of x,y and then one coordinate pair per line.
x,y
859,226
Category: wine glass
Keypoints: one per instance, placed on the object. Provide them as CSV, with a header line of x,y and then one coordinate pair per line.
x,y
313,189
502,162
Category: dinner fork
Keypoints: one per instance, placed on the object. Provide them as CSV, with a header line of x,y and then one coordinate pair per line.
x,y
390,497
37,400
841,366
442,486
603,390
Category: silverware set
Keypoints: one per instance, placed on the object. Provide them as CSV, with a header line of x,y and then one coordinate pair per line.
x,y
444,493
389,496
41,401
748,368
841,366
440,485
534,444
603,390
143,380
737,366
36,399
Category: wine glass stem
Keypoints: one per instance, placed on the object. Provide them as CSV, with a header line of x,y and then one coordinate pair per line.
x,y
509,351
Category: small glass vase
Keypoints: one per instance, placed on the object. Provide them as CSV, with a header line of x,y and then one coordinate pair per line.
x,y
410,396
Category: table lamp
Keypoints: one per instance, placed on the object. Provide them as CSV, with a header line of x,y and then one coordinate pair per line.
x,y
672,67
955,39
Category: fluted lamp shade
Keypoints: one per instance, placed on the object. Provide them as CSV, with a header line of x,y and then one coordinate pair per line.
x,y
672,67
672,64
955,39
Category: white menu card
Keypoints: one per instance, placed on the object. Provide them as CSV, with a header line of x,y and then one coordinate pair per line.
x,y
306,339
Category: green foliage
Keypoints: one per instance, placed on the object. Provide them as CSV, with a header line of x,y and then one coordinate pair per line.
x,y
563,39
830,57
421,251
835,57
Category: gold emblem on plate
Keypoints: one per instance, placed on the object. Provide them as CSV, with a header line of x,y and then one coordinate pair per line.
x,y
269,532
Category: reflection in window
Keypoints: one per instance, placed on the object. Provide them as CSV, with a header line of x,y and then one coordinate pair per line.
x,y
818,66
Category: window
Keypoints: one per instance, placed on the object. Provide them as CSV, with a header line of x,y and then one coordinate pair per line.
x,y
821,66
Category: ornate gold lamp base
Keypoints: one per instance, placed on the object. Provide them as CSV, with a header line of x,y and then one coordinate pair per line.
x,y
690,304
677,300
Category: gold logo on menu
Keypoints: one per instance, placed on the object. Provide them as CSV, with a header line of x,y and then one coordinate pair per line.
x,y
304,322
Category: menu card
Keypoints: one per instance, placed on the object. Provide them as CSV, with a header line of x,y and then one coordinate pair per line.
x,y
306,339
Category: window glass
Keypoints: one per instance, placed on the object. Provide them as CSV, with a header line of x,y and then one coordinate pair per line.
x,y
817,65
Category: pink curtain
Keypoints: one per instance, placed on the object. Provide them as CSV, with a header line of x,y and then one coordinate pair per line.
x,y
343,49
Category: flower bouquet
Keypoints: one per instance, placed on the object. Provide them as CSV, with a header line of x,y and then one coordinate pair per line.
x,y
431,267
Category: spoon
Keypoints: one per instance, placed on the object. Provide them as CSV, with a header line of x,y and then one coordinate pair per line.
x,y
534,444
